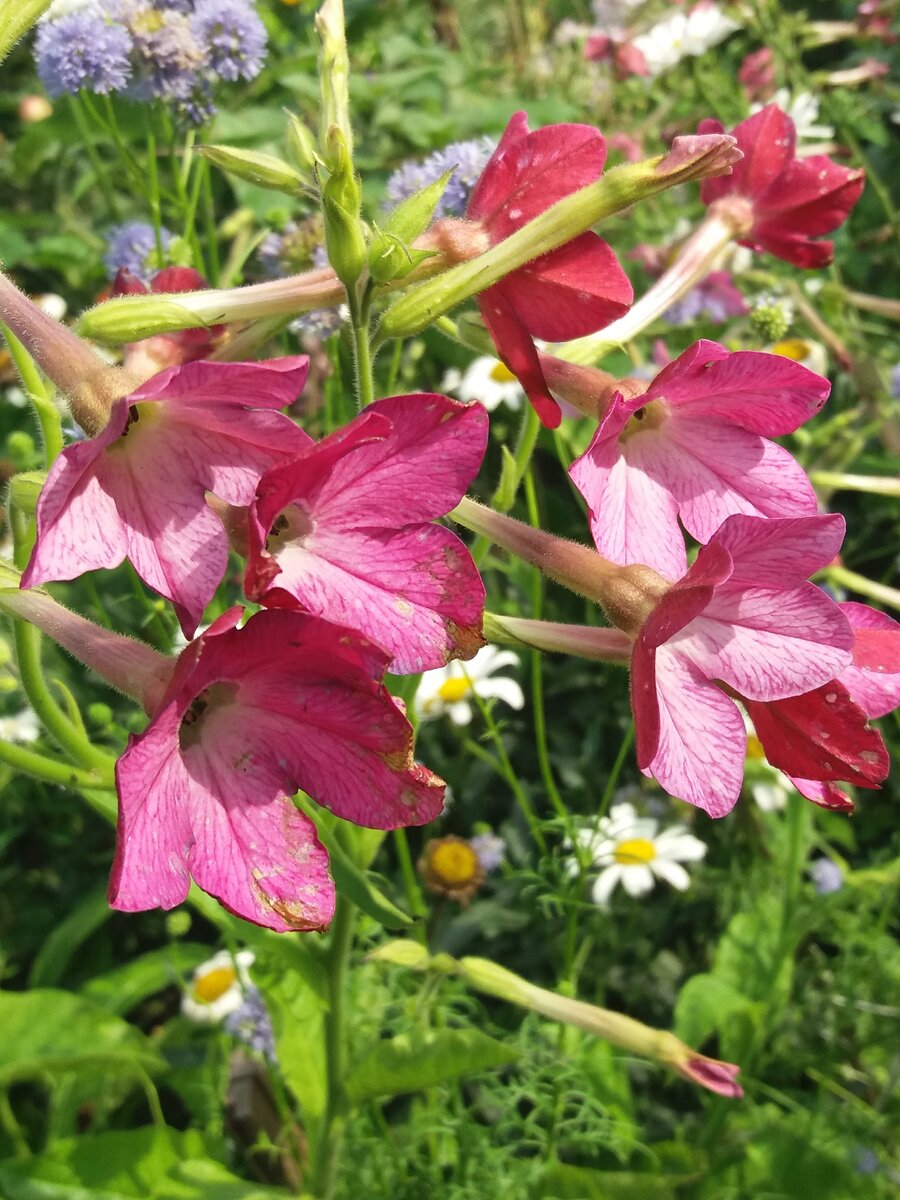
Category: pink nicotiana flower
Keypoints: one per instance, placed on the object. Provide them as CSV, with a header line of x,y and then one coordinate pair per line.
x,y
138,489
743,618
346,530
695,446
569,292
162,350
827,730
250,716
792,200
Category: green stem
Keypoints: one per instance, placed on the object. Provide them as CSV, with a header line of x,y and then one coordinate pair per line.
x,y
537,680
526,441
340,945
11,1127
865,587
510,775
417,905
360,312
27,762
39,394
66,733
100,171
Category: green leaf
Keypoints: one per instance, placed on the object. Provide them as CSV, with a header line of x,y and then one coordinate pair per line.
x,y
705,1005
136,1164
121,989
413,1061
16,18
559,1181
63,943
349,879
413,215
297,1002
47,1031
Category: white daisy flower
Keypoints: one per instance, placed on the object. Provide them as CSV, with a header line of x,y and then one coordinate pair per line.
x,y
684,35
20,727
218,986
632,852
448,690
487,380
804,351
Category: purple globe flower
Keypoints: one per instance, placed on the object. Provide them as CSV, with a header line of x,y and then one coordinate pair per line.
x,y
233,37
827,876
467,160
131,246
83,49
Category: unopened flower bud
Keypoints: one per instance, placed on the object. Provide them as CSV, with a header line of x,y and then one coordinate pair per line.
x,y
263,170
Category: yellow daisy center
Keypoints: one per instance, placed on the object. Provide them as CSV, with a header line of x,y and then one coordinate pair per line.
x,y
452,690
794,348
215,983
454,862
754,748
634,852
500,373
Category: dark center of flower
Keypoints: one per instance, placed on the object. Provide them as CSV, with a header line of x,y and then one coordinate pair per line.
x,y
216,696
648,416
293,524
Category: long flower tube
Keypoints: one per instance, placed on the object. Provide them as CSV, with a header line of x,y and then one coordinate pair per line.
x,y
691,158
721,226
130,666
90,384
629,1035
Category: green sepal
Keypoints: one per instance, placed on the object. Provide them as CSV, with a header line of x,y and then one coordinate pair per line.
x,y
413,215
254,166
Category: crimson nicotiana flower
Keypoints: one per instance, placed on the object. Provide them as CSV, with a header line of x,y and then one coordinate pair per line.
x,y
789,201
826,730
744,618
346,530
138,489
566,293
250,716
695,446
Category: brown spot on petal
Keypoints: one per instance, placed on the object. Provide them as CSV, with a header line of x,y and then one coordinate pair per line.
x,y
465,640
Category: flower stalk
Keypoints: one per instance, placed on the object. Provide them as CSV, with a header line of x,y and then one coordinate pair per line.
x,y
628,1034
697,257
626,594
584,641
130,666
689,159
90,384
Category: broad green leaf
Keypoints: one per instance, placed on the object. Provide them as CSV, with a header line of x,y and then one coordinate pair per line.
x,y
413,1061
66,939
706,1004
52,1031
350,880
297,1004
137,1164
121,989
560,1181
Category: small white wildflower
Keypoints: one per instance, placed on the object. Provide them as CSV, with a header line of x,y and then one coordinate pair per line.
x,y
20,727
218,986
684,35
447,691
633,852
486,380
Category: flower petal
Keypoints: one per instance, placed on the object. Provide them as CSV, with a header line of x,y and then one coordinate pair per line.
x,y
821,735
516,348
572,291
764,393
700,755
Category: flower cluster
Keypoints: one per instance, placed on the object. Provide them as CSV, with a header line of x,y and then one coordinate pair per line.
x,y
152,51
